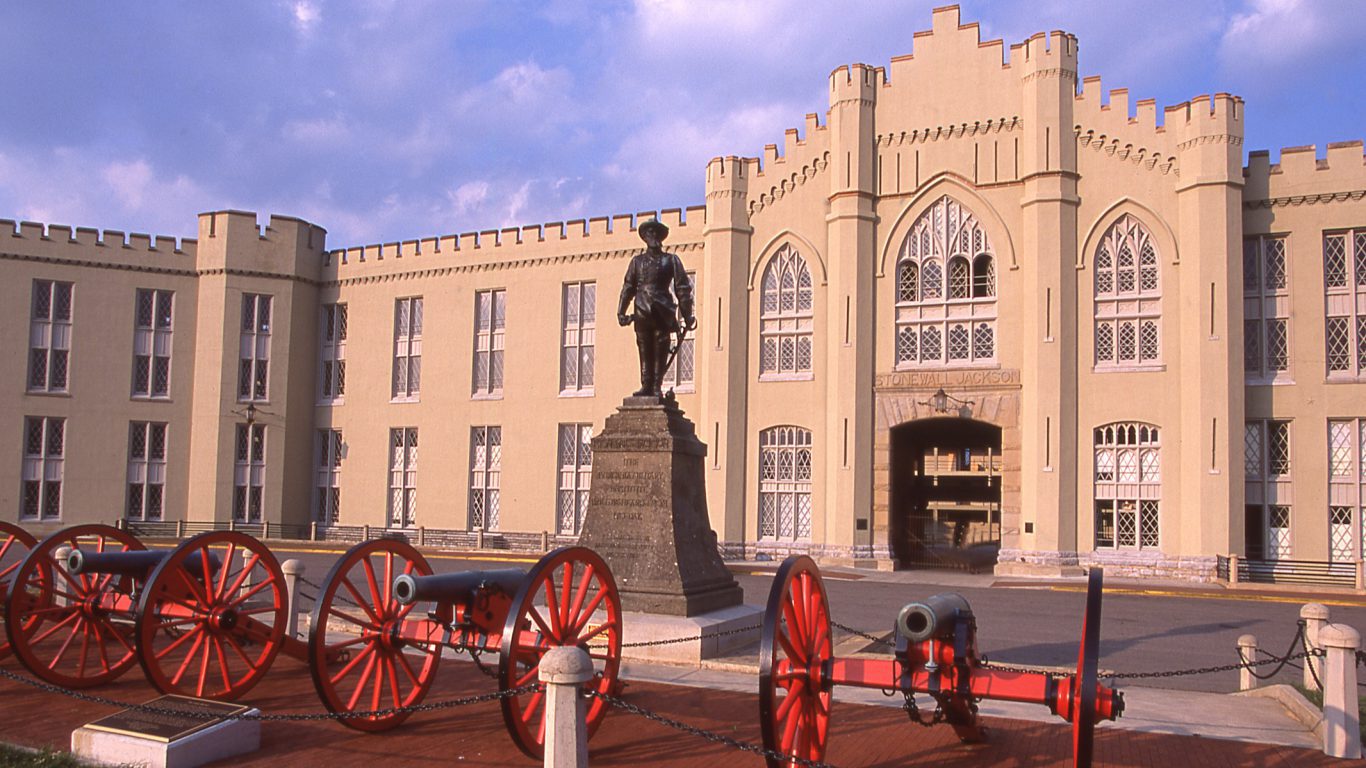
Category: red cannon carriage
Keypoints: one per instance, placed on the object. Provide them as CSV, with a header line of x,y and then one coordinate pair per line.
x,y
204,619
383,620
15,543
936,654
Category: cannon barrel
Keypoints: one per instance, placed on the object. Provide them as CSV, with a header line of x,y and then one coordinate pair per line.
x,y
456,587
137,563
933,617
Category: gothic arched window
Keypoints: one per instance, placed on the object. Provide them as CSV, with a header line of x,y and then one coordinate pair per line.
x,y
945,290
785,315
1128,297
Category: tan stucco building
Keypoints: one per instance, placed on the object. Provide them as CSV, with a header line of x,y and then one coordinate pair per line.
x,y
1146,354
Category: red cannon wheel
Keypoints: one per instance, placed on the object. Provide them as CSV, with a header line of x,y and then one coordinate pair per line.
x,y
567,599
365,654
15,543
212,616
75,631
793,648
1084,684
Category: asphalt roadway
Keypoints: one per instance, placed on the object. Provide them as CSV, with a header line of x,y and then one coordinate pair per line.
x,y
1145,627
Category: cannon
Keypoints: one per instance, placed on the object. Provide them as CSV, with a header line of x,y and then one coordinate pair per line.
x,y
205,619
935,654
383,619
15,543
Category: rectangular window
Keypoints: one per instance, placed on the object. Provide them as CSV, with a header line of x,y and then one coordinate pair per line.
x,y
407,348
332,354
327,484
680,375
1346,488
254,360
785,483
486,464
49,337
1266,309
249,473
1266,464
44,451
146,470
403,477
490,317
1344,286
577,320
153,316
576,470
1128,486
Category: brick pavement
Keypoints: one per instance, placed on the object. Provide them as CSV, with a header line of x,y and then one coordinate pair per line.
x,y
474,735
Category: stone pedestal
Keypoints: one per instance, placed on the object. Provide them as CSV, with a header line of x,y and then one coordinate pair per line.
x,y
141,745
647,513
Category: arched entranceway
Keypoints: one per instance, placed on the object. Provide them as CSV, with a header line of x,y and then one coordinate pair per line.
x,y
945,505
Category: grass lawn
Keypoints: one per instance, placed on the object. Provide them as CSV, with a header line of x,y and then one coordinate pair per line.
x,y
13,757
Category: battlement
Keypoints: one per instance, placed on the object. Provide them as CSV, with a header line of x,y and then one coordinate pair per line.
x,y
88,247
287,230
1205,114
856,82
1044,51
603,233
1302,174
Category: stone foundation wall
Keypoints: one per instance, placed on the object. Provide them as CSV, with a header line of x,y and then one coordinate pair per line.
x,y
1122,563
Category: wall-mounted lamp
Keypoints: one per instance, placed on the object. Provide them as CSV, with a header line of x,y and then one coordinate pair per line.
x,y
943,402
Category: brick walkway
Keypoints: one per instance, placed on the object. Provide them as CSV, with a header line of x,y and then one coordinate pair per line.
x,y
474,735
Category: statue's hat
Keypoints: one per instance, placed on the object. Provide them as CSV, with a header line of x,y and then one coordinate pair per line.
x,y
655,225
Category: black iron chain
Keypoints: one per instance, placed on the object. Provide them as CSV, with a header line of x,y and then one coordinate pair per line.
x,y
1313,668
864,635
689,638
266,717
711,736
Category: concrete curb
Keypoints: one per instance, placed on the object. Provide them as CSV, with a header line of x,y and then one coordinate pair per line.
x,y
1295,704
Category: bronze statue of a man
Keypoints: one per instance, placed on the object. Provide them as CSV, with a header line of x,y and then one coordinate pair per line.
x,y
648,281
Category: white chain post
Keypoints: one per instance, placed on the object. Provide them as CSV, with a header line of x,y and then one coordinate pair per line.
x,y
293,570
1315,616
562,670
1247,653
1341,710
59,556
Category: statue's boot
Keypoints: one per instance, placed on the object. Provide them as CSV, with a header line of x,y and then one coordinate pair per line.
x,y
646,381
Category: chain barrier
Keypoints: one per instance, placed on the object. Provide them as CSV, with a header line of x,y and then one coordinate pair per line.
x,y
689,638
712,736
864,635
1311,666
267,717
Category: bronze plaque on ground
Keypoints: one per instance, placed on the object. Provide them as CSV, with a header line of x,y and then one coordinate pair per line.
x,y
165,727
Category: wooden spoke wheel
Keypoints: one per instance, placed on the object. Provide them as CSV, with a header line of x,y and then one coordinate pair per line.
x,y
567,599
212,617
1084,684
75,631
15,543
794,701
365,653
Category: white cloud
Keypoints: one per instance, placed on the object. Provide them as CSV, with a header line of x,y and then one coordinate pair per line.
x,y
306,15
1273,35
468,196
325,131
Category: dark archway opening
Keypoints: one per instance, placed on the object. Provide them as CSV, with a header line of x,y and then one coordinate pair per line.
x,y
946,494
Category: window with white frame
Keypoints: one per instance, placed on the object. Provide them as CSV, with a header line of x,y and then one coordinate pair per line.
x,y
576,471
1344,287
486,465
1266,469
578,318
1346,488
154,314
785,315
249,473
327,479
1128,486
785,484
490,318
403,477
254,361
407,348
146,470
332,354
945,290
1266,309
1128,298
681,372
49,336
44,452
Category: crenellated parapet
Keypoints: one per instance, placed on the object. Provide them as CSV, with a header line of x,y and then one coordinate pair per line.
x,y
512,246
1046,55
83,246
1301,178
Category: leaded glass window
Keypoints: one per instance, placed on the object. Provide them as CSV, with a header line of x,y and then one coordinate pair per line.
x,y
1128,486
785,484
786,314
1128,297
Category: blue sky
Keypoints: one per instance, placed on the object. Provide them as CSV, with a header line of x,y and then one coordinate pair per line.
x,y
395,119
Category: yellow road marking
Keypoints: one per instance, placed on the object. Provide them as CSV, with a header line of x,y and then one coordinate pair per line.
x,y
1247,597
432,556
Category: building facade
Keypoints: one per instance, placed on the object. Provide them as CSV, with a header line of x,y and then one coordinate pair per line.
x,y
979,309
